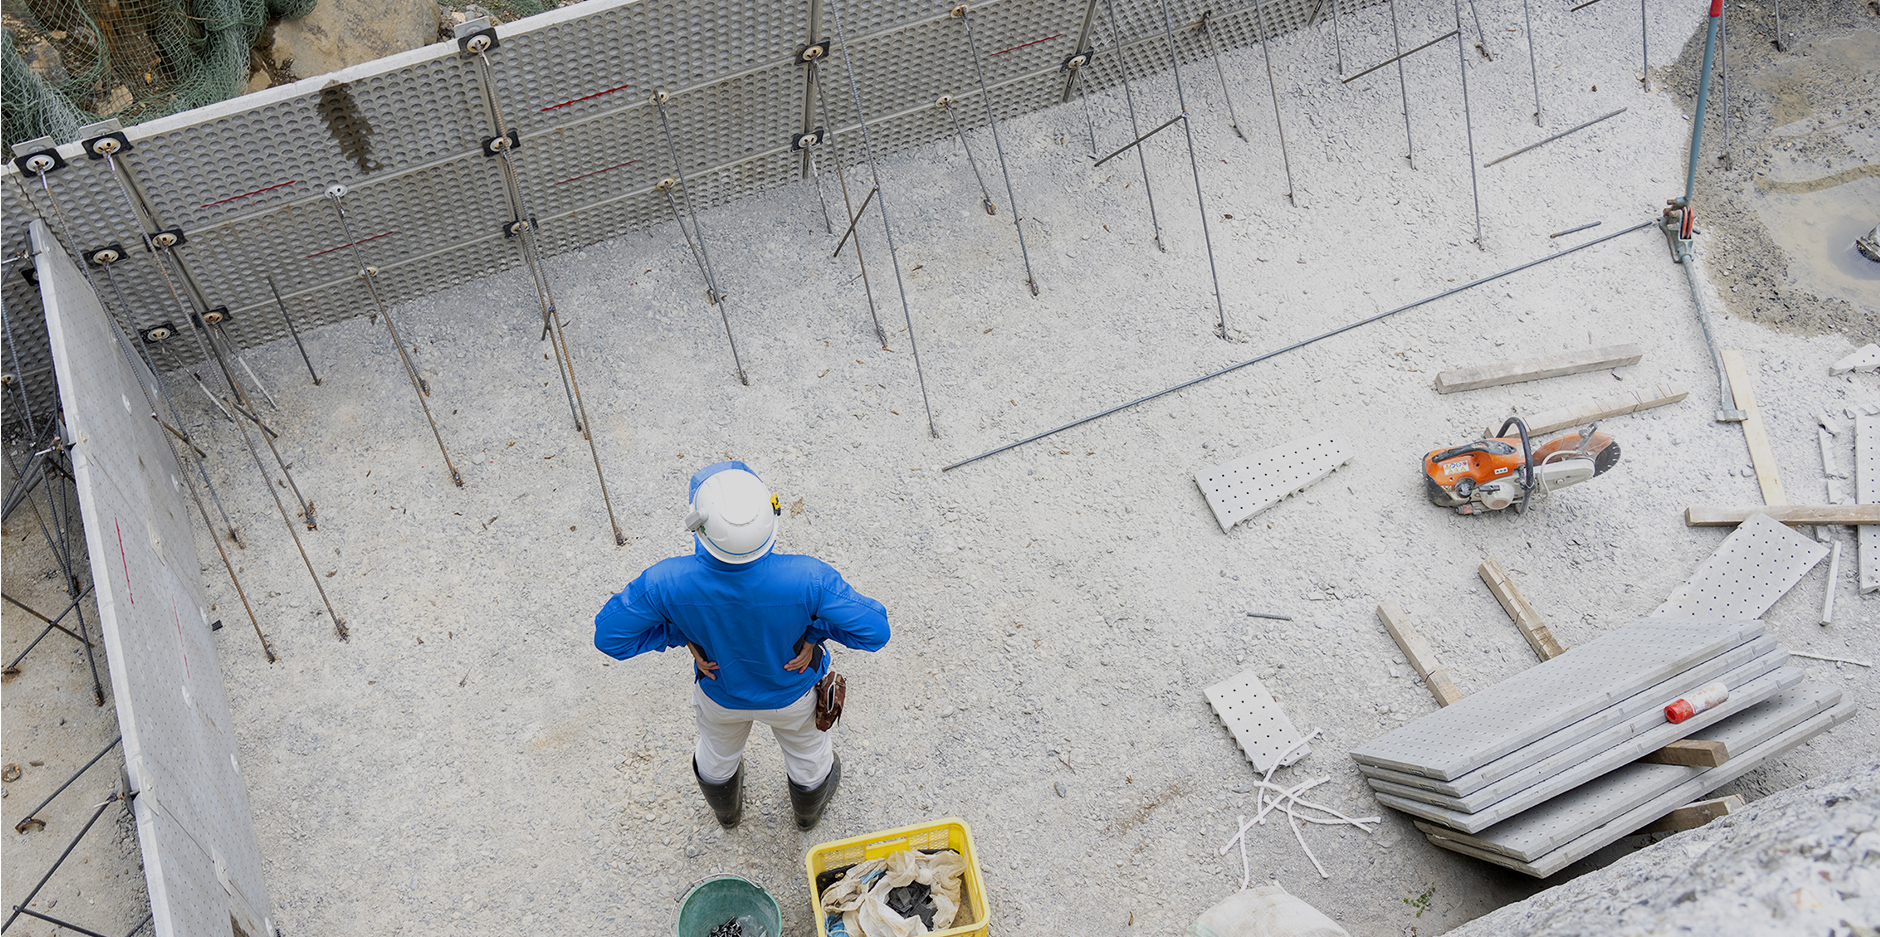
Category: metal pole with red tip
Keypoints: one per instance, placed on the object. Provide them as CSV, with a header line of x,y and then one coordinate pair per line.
x,y
1703,96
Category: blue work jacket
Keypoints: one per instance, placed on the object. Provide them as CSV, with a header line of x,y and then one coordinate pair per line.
x,y
747,618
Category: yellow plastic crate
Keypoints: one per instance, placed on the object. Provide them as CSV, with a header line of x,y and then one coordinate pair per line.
x,y
948,833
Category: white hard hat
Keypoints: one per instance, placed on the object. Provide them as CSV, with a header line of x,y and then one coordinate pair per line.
x,y
734,515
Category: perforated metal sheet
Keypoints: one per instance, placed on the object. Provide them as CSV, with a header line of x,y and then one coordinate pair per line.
x,y
1867,491
193,820
1245,487
1490,723
1757,564
1603,729
1635,737
1255,720
1709,780
1536,832
1741,698
245,178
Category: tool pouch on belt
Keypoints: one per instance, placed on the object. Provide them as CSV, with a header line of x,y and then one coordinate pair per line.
x,y
831,690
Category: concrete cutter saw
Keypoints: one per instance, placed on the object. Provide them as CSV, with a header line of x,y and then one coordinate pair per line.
x,y
1492,474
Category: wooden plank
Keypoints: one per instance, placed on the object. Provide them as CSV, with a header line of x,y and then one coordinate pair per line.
x,y
1604,407
1691,753
1417,652
1760,454
1692,816
1517,607
1538,368
1794,515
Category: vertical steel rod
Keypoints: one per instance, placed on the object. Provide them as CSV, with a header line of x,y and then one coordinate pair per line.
x,y
1338,44
1644,47
1468,123
704,256
868,150
1534,64
1403,87
985,97
848,202
1181,99
1723,81
1214,52
1272,87
291,330
366,273
1481,38
985,197
1135,131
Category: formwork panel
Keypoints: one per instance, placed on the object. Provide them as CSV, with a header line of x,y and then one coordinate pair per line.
x,y
1741,698
1599,731
1490,723
191,806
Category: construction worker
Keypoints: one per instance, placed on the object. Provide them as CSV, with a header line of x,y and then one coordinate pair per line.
x,y
755,622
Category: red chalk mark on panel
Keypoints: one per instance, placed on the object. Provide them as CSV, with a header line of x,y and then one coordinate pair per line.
x,y
597,172
586,97
246,194
1031,43
126,560
177,619
353,244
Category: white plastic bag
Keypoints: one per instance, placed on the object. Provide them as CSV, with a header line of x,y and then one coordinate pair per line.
x,y
1265,911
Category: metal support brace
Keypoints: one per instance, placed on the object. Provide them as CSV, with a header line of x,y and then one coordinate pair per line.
x,y
848,204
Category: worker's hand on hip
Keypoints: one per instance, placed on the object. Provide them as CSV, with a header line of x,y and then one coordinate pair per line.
x,y
803,658
705,667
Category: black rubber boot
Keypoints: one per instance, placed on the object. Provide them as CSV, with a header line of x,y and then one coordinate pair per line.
x,y
727,799
808,804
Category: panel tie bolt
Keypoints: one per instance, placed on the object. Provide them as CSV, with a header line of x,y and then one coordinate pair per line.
x,y
368,272
478,44
104,145
163,239
335,191
105,255
40,163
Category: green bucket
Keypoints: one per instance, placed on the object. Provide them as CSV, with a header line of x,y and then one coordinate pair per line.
x,y
722,897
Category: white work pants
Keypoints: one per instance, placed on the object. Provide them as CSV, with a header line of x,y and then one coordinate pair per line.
x,y
807,751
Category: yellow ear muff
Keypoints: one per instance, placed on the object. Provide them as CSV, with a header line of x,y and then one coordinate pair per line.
x,y
776,504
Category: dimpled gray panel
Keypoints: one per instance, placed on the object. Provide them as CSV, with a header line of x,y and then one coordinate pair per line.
x,y
192,813
1580,764
1491,723
245,178
1709,780
1757,564
1610,726
1534,833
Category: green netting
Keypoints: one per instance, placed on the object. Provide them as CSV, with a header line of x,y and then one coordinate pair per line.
x,y
68,63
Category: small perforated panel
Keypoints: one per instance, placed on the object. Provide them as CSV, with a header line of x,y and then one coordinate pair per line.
x,y
179,743
1867,491
245,178
1536,832
1703,783
1741,698
1245,487
1490,723
1757,564
1604,729
1257,723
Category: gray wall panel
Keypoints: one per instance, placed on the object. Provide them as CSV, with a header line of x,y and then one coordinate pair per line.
x,y
201,859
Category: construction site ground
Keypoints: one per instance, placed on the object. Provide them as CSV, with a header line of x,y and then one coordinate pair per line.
x,y
468,764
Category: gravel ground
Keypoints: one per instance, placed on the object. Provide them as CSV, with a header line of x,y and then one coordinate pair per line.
x,y
468,764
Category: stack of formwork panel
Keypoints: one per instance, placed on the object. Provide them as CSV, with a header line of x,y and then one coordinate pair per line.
x,y
1541,769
